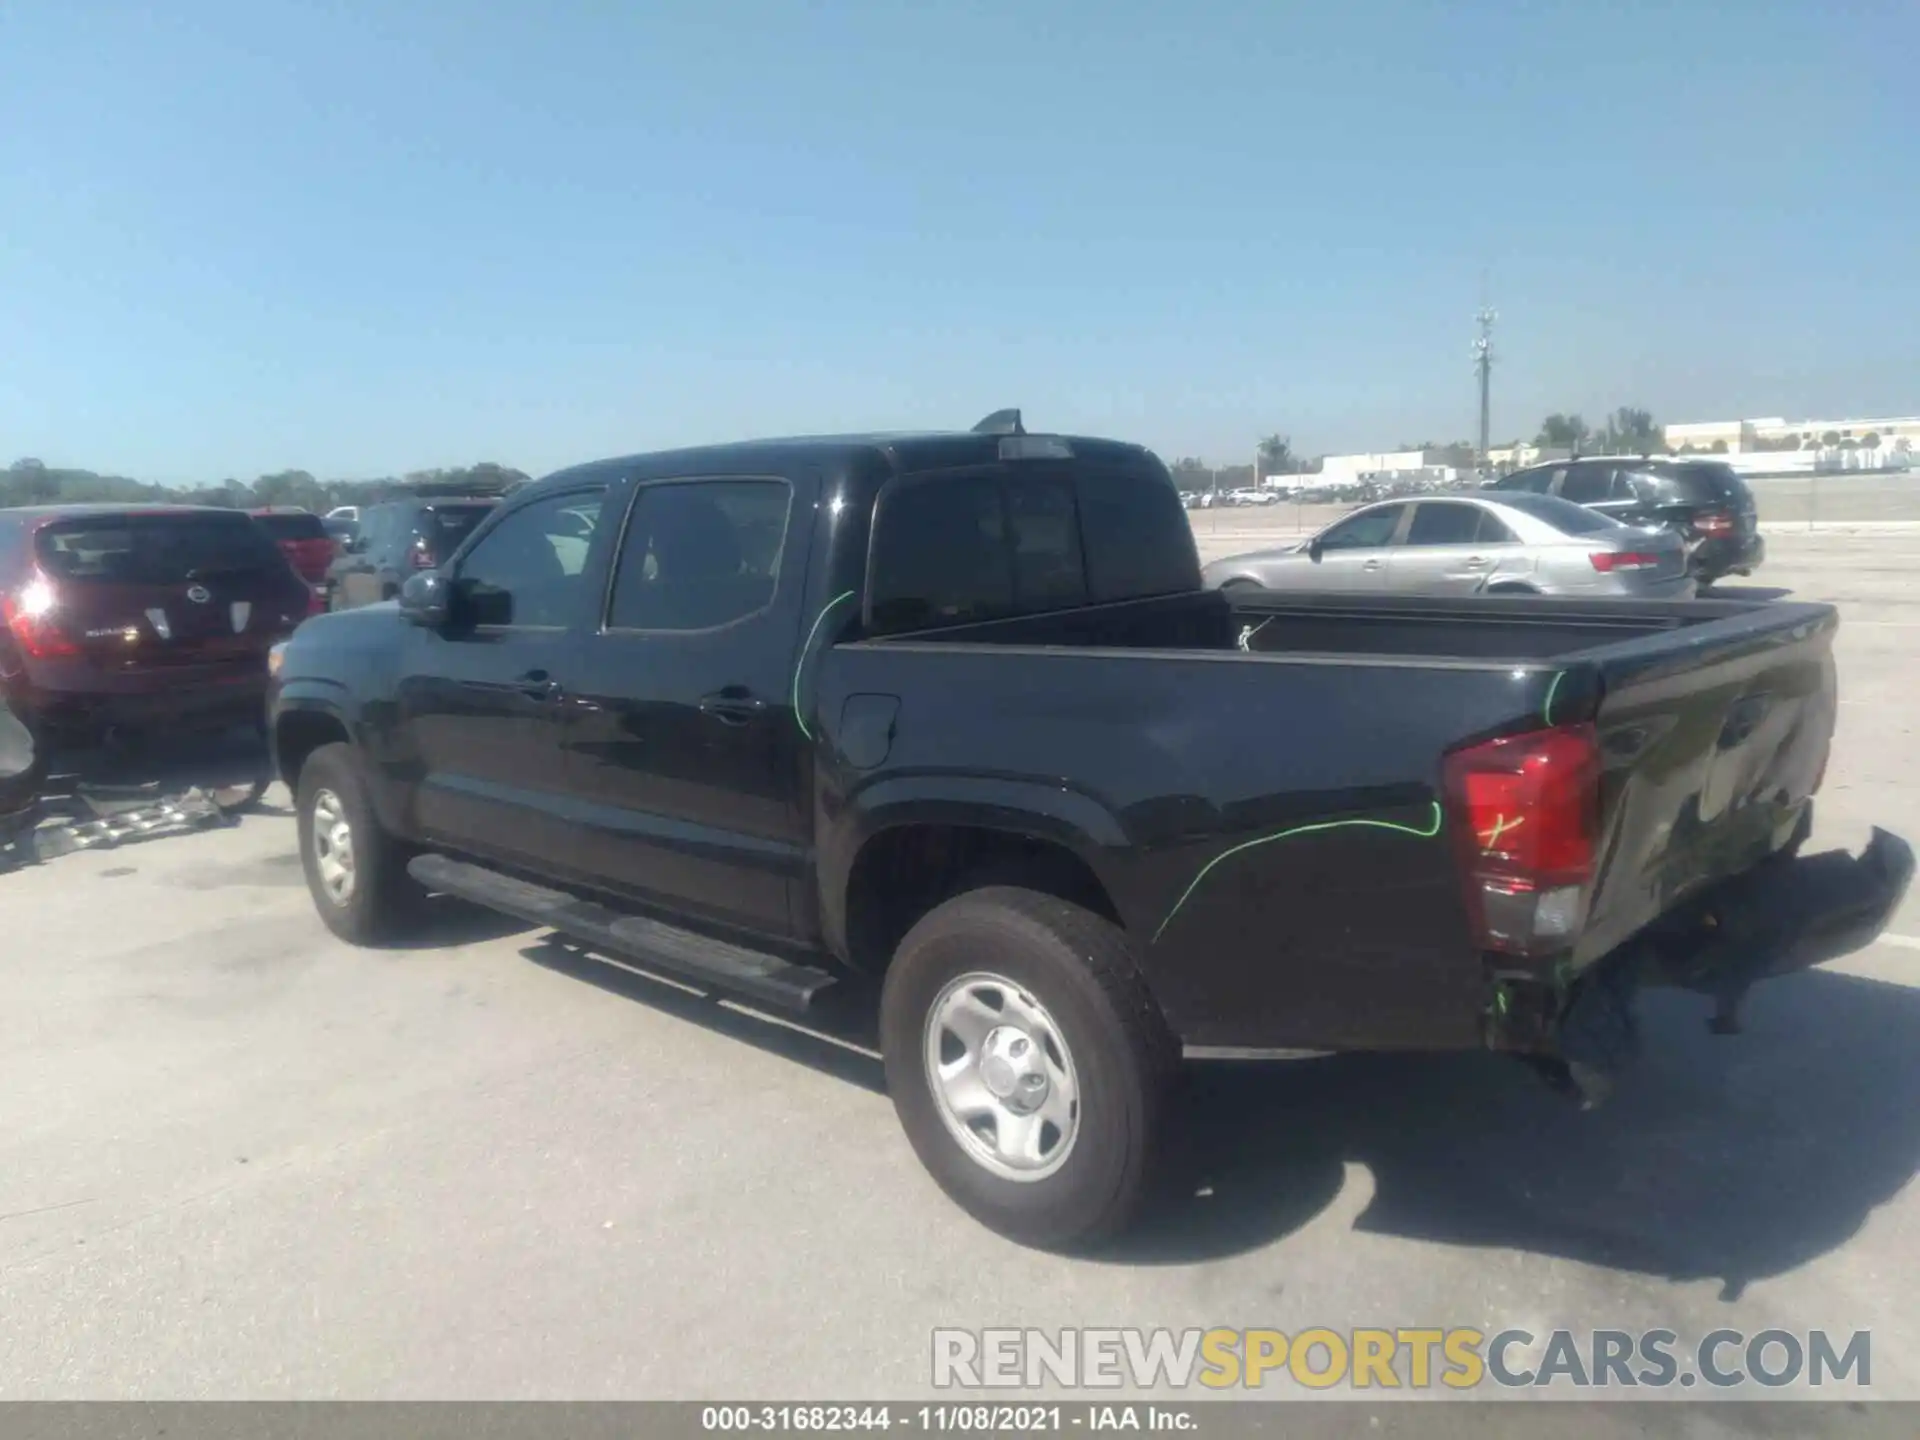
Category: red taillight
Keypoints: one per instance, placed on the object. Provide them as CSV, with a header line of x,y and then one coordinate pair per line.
x,y
1607,561
29,615
1526,814
316,601
1713,522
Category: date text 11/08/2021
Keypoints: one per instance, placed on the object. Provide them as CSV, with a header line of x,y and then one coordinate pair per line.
x,y
958,1419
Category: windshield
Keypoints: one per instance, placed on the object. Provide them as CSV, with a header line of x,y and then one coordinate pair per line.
x,y
154,549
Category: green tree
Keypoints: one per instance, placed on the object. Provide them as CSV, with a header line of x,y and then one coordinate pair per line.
x,y
1870,440
1830,439
1633,432
1276,457
1567,432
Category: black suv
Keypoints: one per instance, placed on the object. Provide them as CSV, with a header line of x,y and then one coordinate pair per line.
x,y
398,537
1704,501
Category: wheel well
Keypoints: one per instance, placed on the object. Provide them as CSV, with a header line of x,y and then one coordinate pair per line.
x,y
298,735
902,873
1512,587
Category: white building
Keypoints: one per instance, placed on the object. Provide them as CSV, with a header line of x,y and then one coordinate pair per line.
x,y
1386,465
1868,443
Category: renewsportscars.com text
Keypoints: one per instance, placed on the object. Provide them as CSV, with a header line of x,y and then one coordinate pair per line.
x,y
1398,1359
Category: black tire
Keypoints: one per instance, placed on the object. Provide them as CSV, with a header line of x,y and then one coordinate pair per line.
x,y
382,900
1077,966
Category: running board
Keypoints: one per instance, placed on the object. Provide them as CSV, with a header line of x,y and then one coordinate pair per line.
x,y
750,974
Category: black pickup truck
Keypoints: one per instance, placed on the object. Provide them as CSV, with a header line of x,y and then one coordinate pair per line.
x,y
954,711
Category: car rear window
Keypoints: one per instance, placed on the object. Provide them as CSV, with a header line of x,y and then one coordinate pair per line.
x,y
154,549
453,523
294,525
950,548
1563,515
1705,483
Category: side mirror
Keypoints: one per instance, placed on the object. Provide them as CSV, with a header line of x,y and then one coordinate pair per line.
x,y
426,599
1316,547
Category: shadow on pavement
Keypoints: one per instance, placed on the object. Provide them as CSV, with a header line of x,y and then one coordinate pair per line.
x,y
1744,592
215,758
1731,1158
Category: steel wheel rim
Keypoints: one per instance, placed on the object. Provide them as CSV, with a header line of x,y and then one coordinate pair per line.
x,y
333,847
1002,1077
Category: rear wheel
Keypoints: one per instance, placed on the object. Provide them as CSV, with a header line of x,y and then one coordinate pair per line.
x,y
1028,1064
356,871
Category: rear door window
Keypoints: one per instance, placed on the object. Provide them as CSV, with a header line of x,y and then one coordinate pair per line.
x,y
1439,522
1492,530
1587,484
155,549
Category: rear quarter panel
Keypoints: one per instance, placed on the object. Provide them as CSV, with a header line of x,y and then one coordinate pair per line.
x,y
1268,827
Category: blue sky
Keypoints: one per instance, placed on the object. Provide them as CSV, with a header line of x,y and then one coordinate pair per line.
x,y
356,237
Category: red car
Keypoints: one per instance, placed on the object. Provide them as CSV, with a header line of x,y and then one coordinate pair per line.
x,y
124,616
302,538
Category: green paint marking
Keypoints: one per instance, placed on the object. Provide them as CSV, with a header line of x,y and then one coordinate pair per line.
x,y
806,650
1433,829
1546,711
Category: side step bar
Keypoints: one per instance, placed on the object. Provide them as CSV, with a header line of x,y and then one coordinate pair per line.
x,y
682,953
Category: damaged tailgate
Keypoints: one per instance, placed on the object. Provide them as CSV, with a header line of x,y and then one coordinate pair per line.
x,y
1713,740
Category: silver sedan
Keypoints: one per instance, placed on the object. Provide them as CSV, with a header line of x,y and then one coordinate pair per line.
x,y
1471,545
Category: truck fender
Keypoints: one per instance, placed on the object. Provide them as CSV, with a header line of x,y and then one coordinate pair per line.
x,y
1072,819
311,712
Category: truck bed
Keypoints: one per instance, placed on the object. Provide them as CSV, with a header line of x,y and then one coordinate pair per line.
x,y
1258,812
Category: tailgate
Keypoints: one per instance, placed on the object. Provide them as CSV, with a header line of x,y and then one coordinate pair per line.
x,y
1714,738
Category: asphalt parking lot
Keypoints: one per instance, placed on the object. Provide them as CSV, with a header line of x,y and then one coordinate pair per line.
x,y
240,1159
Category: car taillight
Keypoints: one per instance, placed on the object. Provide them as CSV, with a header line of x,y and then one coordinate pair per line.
x,y
1713,522
29,615
421,559
316,601
1526,812
1607,561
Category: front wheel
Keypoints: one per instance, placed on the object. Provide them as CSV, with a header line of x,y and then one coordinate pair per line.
x,y
356,871
1028,1064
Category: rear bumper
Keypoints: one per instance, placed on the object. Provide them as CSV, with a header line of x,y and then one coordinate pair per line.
x,y
1786,915
1724,555
186,697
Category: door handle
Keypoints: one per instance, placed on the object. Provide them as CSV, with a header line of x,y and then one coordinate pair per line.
x,y
732,706
1476,562
538,685
1370,565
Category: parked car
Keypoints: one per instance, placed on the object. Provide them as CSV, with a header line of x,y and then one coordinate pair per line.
x,y
1471,544
397,538
303,538
1704,502
1253,495
124,617
956,711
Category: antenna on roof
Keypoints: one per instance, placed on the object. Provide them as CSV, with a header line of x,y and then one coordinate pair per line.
x,y
1001,422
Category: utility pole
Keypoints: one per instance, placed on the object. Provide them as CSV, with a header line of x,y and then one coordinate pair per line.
x,y
1483,365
